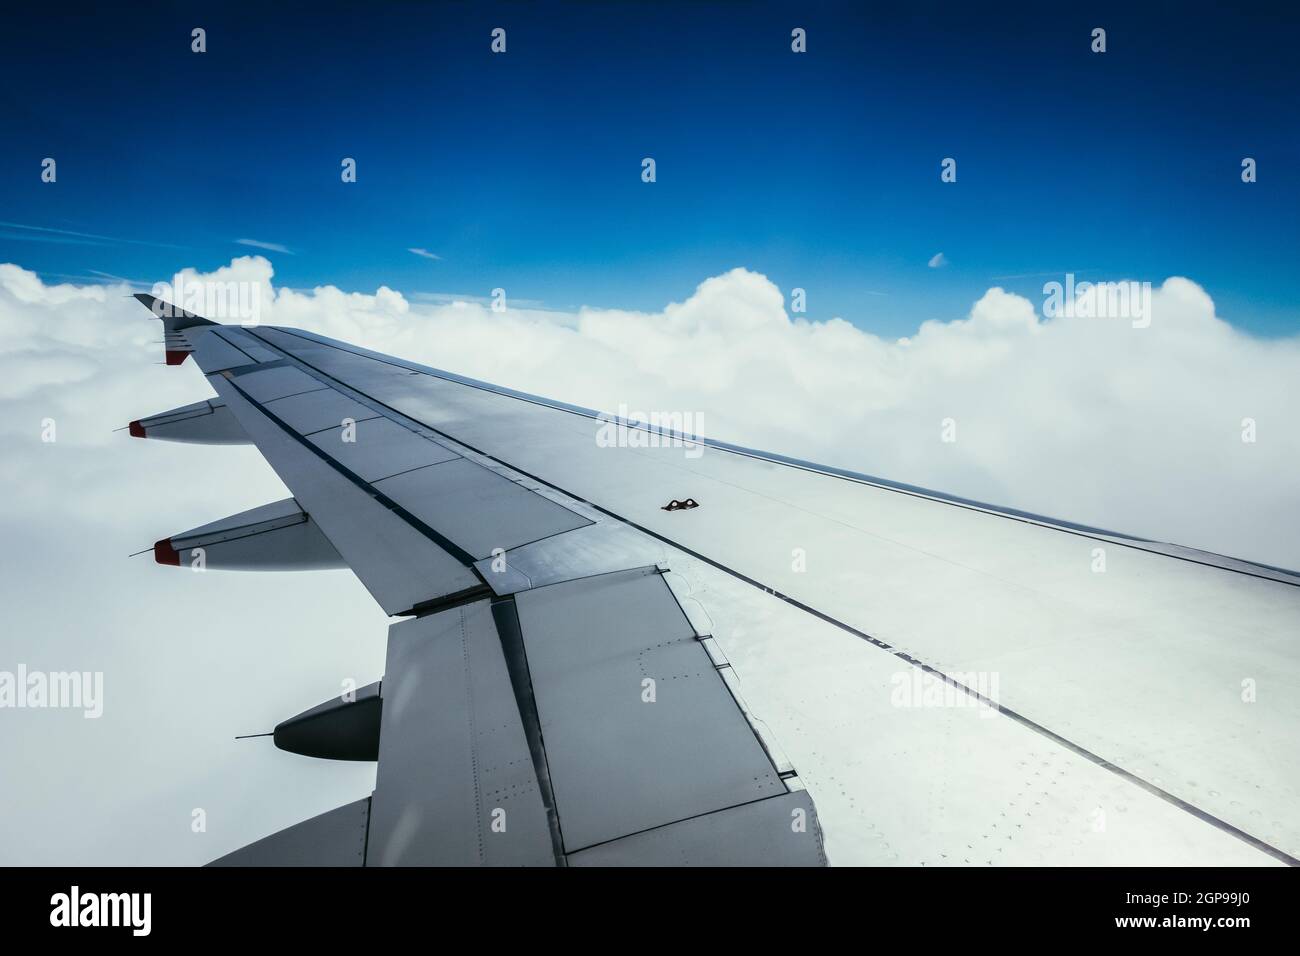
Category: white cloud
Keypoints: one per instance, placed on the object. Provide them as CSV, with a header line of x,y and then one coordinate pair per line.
x,y
259,244
938,261
1091,420
424,253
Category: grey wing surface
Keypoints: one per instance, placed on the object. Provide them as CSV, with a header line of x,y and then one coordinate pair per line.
x,y
578,719
926,680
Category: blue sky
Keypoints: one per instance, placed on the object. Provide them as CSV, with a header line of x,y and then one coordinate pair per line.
x,y
523,170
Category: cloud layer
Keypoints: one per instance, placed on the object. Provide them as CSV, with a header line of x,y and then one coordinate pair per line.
x,y
1091,420
1086,419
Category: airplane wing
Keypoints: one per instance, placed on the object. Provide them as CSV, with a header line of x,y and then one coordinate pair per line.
x,y
618,645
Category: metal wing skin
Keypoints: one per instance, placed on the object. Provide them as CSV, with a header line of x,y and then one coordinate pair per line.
x,y
926,680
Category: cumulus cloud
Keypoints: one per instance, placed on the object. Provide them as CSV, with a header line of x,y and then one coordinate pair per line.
x,y
938,261
1087,419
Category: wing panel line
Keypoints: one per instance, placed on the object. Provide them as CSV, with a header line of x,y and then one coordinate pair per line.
x,y
461,555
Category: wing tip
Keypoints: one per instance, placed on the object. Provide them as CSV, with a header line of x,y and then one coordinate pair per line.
x,y
164,553
173,316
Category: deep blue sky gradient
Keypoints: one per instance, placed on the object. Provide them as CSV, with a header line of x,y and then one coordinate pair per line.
x,y
523,171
